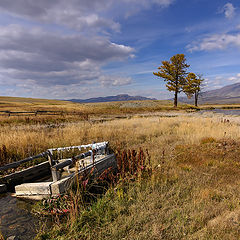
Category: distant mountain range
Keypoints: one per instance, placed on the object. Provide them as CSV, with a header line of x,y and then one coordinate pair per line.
x,y
121,97
229,94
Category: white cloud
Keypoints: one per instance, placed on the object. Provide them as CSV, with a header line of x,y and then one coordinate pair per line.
x,y
54,59
93,15
234,79
228,10
219,81
69,50
115,80
214,42
77,14
78,90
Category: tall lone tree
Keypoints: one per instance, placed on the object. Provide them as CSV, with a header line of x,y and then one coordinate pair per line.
x,y
174,73
193,86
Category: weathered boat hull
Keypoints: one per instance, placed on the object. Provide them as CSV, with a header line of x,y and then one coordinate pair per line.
x,y
27,175
41,190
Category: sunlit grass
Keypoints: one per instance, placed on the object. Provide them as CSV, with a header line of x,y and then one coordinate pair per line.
x,y
193,192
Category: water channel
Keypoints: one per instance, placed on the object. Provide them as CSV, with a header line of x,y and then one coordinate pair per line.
x,y
16,219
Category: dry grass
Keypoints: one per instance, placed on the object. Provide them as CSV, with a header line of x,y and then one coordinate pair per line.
x,y
92,109
193,193
157,133
29,104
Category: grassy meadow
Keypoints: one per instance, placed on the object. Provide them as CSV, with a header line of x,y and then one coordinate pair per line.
x,y
193,189
193,192
73,112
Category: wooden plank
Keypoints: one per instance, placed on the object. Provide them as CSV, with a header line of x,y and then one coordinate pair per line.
x,y
101,165
38,112
41,188
83,155
96,146
44,189
3,188
63,164
18,163
31,197
27,175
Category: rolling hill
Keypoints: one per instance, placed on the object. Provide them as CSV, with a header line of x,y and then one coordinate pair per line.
x,y
121,97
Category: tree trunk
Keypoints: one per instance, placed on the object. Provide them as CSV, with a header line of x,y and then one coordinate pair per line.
x,y
196,99
175,99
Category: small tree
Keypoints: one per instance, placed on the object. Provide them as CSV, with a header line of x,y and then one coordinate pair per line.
x,y
174,73
193,86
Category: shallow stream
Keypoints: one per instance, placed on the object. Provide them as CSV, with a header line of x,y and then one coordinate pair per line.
x,y
16,219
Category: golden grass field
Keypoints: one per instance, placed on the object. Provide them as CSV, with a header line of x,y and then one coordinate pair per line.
x,y
193,192
28,104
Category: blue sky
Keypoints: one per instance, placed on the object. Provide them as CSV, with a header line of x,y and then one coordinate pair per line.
x,y
80,48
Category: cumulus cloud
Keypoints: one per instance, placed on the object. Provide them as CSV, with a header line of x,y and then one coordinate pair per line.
x,y
218,41
228,10
115,80
64,45
214,42
50,58
77,14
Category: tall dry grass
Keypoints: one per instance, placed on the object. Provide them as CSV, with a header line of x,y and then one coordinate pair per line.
x,y
153,133
193,192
